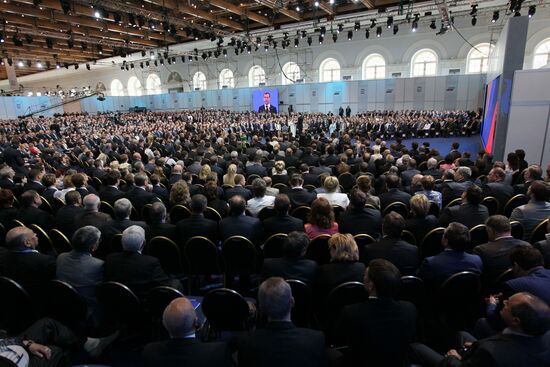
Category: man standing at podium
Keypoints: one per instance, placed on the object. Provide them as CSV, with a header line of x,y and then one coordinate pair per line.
x,y
267,107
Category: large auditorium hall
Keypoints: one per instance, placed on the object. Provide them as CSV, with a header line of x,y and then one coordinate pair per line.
x,y
274,183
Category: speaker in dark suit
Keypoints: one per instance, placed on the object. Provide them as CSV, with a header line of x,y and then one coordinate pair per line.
x,y
379,330
183,348
280,343
266,106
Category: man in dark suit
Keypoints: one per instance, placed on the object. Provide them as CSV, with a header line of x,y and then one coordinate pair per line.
x,y
281,222
409,172
80,182
496,253
256,167
453,190
158,225
109,190
536,210
378,331
470,212
91,216
183,348
14,158
267,107
393,194
532,174
29,213
24,263
131,268
239,224
497,188
123,210
280,343
197,224
358,219
176,174
292,265
160,191
432,169
297,195
34,181
522,343
309,178
238,189
48,180
7,175
392,248
453,259
65,216
139,194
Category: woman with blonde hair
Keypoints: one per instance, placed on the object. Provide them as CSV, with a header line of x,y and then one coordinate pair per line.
x,y
331,186
229,177
204,173
344,263
279,168
421,222
179,194
321,219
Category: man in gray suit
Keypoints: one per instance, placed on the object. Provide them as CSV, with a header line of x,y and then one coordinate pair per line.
x,y
80,269
536,210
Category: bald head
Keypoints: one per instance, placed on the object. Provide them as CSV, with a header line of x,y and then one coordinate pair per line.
x,y
526,313
275,298
20,237
179,318
91,202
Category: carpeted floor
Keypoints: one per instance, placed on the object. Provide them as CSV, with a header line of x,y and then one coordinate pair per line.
x,y
470,144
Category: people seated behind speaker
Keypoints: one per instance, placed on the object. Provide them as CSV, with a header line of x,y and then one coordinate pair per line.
x,y
121,221
470,212
335,198
497,187
359,219
239,224
391,247
282,222
495,254
536,210
297,194
321,219
393,194
183,348
158,226
260,199
23,263
420,222
378,331
197,224
344,265
293,264
279,342
30,213
436,269
90,216
137,271
524,342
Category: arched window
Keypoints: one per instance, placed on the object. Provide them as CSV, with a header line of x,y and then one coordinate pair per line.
x,y
256,75
292,72
134,87
199,81
542,54
478,59
174,78
117,89
153,84
227,79
374,67
424,63
329,70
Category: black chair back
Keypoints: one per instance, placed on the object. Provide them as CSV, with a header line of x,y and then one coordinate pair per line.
x,y
343,295
282,187
168,254
491,203
116,243
408,236
266,212
178,213
301,212
347,180
517,229
60,242
478,236
251,178
63,303
412,290
46,206
302,310
318,251
202,256
539,233
273,246
239,255
225,309
45,244
431,243
397,207
160,297
513,203
57,203
212,214
362,240
16,309
145,213
107,208
434,209
459,300
119,304
454,202
2,235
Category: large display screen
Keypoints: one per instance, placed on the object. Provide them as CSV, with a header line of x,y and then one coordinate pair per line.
x,y
265,100
490,114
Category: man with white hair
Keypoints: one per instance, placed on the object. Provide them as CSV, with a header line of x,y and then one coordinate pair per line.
x,y
123,210
432,169
462,182
91,216
131,268
183,349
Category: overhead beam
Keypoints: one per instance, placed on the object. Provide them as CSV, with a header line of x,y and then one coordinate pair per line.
x,y
283,10
326,7
239,10
368,3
